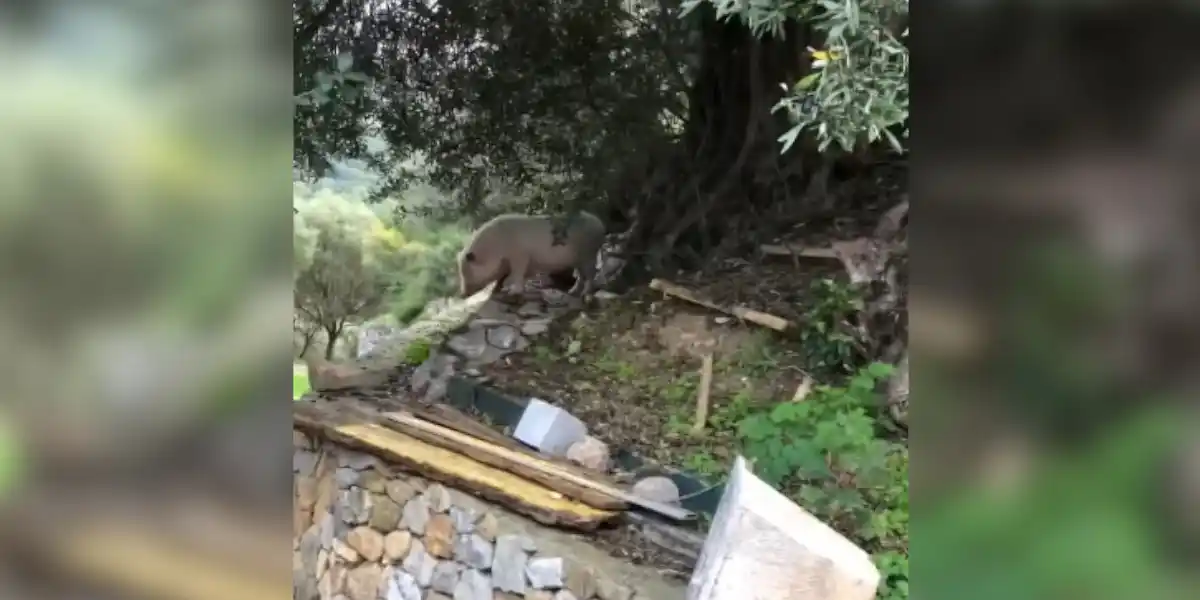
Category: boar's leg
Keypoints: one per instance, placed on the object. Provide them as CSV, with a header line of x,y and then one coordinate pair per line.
x,y
518,269
586,272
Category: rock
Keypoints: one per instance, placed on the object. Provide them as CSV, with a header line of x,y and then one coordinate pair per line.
x,y
372,339
416,515
474,551
359,461
346,477
304,463
396,545
445,577
400,491
488,527
373,481
581,580
424,373
325,524
334,581
658,489
385,514
534,327
508,564
530,309
564,595
474,346
322,562
363,582
326,492
591,453
608,590
306,493
306,558
367,542
355,504
545,573
326,376
347,554
436,391
420,564
439,536
400,585
473,585
464,519
439,498
506,337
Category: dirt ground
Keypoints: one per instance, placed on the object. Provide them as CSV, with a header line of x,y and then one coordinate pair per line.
x,y
630,366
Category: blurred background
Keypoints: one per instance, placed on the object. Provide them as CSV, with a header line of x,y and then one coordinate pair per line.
x,y
145,246
1054,325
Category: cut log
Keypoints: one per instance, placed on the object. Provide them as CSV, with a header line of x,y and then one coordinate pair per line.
x,y
702,398
353,429
746,314
558,477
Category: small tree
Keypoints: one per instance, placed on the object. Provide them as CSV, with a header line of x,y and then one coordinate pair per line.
x,y
344,253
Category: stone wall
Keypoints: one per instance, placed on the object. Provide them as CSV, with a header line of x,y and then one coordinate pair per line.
x,y
364,530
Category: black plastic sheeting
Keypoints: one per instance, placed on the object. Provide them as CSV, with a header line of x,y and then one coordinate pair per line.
x,y
696,495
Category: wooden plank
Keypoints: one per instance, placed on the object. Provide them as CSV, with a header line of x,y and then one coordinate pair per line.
x,y
531,467
356,430
540,470
747,314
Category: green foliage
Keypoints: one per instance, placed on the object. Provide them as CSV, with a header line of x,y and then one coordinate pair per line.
x,y
343,254
828,335
857,89
418,351
825,453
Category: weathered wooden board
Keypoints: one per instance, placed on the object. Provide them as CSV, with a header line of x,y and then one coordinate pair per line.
x,y
354,429
521,463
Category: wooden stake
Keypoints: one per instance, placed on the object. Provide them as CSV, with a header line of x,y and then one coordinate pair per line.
x,y
702,399
746,314
787,250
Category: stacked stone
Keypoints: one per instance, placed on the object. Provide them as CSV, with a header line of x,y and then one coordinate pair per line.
x,y
365,533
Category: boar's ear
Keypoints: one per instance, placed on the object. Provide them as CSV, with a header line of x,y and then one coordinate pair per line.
x,y
470,257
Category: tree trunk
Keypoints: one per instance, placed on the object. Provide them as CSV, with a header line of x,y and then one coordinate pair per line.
x,y
332,332
307,336
726,167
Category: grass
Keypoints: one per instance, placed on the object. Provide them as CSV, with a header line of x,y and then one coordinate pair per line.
x,y
299,381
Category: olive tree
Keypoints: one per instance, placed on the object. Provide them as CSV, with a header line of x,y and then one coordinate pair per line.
x,y
344,254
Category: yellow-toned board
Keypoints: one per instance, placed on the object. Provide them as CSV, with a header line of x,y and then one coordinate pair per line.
x,y
524,496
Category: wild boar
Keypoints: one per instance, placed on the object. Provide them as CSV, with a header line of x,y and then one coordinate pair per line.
x,y
511,247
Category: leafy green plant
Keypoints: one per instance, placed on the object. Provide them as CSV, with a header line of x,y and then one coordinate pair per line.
x,y
856,91
825,453
828,335
418,351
